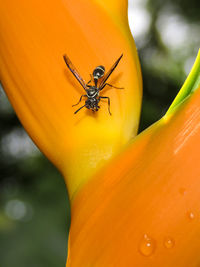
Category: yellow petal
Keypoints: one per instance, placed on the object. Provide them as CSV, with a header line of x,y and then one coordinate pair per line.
x,y
34,36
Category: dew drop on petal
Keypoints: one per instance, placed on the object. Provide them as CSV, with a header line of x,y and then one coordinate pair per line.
x,y
147,246
190,215
169,242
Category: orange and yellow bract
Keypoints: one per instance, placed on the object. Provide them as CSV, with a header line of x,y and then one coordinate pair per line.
x,y
142,209
34,37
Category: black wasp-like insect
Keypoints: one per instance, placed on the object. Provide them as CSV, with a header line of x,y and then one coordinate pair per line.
x,y
92,91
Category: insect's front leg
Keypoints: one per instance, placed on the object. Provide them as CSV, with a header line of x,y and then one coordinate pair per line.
x,y
111,86
79,109
106,97
79,100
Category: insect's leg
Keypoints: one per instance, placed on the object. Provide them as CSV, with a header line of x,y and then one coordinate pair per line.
x,y
106,97
79,109
110,86
114,86
79,100
89,80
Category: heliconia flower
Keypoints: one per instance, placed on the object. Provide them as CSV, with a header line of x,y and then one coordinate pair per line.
x,y
33,39
144,209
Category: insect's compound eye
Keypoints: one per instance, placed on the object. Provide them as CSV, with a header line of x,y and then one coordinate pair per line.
x,y
99,72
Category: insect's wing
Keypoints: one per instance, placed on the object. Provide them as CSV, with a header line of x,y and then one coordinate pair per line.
x,y
107,75
74,71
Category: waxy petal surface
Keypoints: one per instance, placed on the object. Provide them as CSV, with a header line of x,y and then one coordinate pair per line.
x,y
34,35
144,209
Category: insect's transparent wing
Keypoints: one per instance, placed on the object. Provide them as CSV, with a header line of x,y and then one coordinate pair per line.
x,y
74,71
107,75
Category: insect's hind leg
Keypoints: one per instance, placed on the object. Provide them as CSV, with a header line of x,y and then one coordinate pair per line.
x,y
111,86
106,97
79,101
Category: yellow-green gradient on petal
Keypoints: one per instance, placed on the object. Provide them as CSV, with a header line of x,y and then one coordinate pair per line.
x,y
34,35
191,84
144,209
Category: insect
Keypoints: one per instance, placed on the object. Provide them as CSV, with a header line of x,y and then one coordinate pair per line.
x,y
99,78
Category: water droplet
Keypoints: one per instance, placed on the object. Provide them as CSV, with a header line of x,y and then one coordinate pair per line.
x,y
182,191
169,242
147,246
190,215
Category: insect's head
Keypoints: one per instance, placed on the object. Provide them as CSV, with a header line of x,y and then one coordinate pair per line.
x,y
98,73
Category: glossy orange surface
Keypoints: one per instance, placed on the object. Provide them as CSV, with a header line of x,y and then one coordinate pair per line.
x,y
144,209
42,90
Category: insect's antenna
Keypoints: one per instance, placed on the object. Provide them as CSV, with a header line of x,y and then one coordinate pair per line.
x,y
79,109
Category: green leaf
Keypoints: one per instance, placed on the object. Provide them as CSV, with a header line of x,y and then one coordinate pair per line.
x,y
191,84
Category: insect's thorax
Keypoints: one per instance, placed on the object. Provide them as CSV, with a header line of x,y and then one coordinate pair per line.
x,y
92,92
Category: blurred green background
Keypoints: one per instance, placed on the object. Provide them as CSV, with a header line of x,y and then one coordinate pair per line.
x,y
34,214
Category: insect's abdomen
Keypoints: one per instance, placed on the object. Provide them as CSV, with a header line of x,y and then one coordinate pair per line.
x,y
91,103
98,72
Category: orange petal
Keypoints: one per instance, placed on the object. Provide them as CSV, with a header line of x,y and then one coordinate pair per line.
x,y
144,209
35,35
